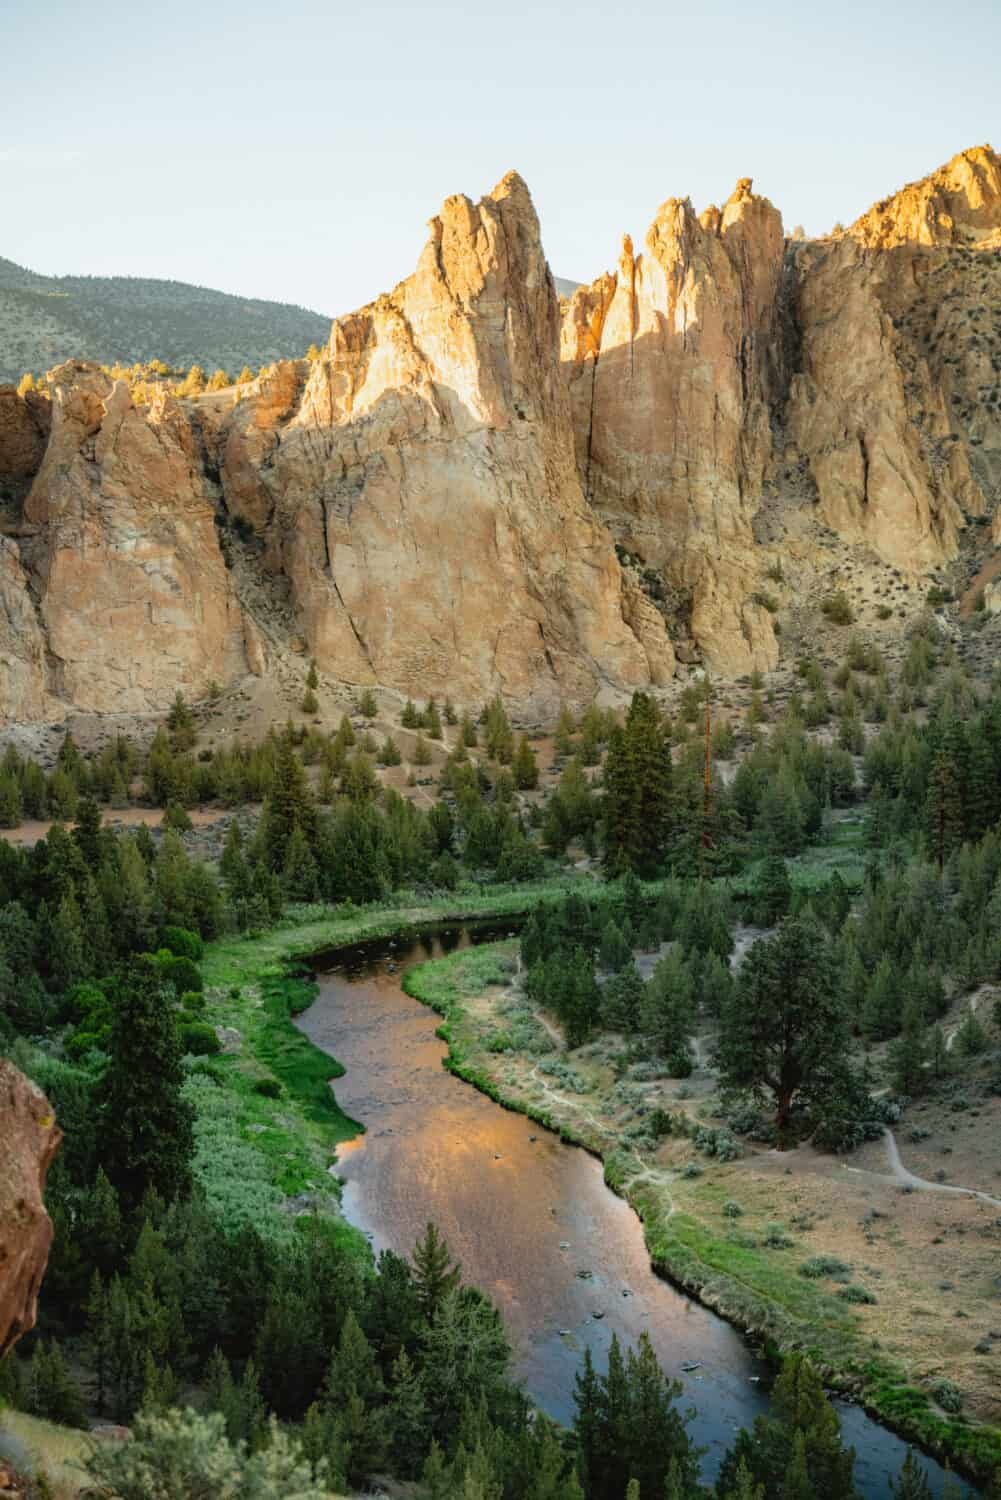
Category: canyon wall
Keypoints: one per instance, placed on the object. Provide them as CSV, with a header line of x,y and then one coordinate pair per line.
x,y
478,488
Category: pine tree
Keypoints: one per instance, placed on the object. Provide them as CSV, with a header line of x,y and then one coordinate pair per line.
x,y
310,703
909,1052
912,1481
773,895
614,953
467,731
422,752
50,1391
448,710
300,877
435,1273
288,806
146,1124
638,780
410,718
943,809
525,767
784,1029
668,1010
312,679
367,706
432,720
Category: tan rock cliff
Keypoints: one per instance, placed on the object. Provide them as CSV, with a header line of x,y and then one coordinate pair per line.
x,y
120,543
669,366
437,502
426,505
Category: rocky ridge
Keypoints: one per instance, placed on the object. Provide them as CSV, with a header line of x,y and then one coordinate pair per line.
x,y
480,487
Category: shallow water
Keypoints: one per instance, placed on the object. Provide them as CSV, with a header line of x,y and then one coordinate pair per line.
x,y
523,1213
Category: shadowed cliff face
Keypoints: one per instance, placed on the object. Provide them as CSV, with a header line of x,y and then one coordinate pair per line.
x,y
30,1139
719,353
437,501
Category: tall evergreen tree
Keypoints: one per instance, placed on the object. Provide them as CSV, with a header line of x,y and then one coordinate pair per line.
x,y
146,1125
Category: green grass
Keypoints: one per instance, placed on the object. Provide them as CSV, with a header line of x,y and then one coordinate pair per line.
x,y
753,1286
284,1146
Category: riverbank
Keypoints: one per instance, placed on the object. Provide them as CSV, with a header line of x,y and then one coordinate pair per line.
x,y
890,1293
268,1123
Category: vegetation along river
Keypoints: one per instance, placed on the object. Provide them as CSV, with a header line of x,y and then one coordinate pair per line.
x,y
529,1218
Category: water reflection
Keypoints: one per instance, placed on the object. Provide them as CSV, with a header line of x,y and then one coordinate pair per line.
x,y
529,1218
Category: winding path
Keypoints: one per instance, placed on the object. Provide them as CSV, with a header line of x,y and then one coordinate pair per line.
x,y
922,1184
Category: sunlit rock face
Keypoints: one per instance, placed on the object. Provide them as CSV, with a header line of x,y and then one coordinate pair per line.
x,y
119,545
670,363
424,499
721,356
477,488
894,404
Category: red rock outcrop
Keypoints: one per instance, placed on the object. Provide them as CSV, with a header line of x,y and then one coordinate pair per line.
x,y
30,1139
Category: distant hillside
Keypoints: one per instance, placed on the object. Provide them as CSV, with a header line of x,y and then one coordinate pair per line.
x,y
47,319
564,287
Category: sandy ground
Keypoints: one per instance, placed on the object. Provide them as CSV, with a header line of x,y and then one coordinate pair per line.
x,y
932,1259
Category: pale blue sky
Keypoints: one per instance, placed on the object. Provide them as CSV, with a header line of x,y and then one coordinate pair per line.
x,y
296,150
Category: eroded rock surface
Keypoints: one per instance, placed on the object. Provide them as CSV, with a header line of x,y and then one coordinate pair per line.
x,y
477,488
30,1138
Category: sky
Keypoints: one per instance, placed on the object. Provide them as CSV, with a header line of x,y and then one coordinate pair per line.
x,y
296,151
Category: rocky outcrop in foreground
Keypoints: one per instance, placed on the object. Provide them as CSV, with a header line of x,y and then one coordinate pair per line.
x,y
478,487
30,1139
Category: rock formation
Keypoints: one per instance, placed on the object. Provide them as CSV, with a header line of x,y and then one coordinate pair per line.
x,y
896,406
30,1139
477,488
671,364
717,363
118,545
424,501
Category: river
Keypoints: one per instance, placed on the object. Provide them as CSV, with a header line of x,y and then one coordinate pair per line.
x,y
528,1217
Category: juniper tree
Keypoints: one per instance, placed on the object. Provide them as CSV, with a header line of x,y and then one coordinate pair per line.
x,y
783,1032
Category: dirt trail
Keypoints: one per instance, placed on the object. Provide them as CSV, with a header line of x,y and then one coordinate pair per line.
x,y
901,1174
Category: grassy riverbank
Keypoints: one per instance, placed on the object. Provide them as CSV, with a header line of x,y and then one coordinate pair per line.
x,y
268,1136
746,1236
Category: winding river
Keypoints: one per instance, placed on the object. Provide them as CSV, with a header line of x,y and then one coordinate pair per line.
x,y
529,1218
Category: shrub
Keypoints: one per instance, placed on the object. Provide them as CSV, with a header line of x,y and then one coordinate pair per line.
x,y
819,1267
837,608
181,973
270,1088
948,1395
732,1209
859,1295
776,1237
691,1169
199,1039
176,818
183,943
